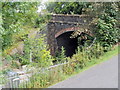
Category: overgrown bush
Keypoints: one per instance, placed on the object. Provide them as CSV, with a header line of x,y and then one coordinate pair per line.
x,y
36,50
95,51
77,62
107,32
79,59
9,58
60,56
44,79
82,57
68,69
106,26
14,16
15,64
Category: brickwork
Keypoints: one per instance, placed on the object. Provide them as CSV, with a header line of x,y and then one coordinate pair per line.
x,y
66,30
60,24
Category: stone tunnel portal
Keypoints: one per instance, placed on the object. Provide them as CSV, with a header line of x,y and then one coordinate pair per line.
x,y
70,44
59,29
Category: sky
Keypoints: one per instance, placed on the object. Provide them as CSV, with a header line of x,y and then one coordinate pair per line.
x,y
42,5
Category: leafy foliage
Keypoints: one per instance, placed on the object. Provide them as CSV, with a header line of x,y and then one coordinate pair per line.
x,y
60,56
43,80
36,50
14,16
107,33
106,16
77,63
84,56
107,26
67,7
105,22
106,29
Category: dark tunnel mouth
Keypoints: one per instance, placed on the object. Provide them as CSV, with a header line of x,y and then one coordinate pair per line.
x,y
70,44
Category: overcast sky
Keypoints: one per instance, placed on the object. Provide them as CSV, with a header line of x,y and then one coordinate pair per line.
x,y
42,5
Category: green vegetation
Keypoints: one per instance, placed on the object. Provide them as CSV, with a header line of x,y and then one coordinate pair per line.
x,y
37,48
60,56
107,32
67,7
76,65
14,16
21,22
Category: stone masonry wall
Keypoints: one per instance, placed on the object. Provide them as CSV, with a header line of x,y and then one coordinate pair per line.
x,y
61,23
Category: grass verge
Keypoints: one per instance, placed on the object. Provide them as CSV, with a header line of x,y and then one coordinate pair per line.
x,y
60,73
95,62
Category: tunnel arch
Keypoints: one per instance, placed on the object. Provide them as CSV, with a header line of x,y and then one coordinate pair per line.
x,y
66,30
61,23
70,44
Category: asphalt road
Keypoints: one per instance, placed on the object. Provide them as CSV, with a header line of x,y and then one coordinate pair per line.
x,y
104,75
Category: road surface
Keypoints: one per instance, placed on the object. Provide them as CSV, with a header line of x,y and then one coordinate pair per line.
x,y
104,75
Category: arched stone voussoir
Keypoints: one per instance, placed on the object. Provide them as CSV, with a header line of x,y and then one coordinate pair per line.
x,y
66,30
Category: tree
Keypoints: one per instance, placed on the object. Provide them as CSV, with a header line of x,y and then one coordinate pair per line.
x,y
66,7
104,25
14,16
107,29
36,49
